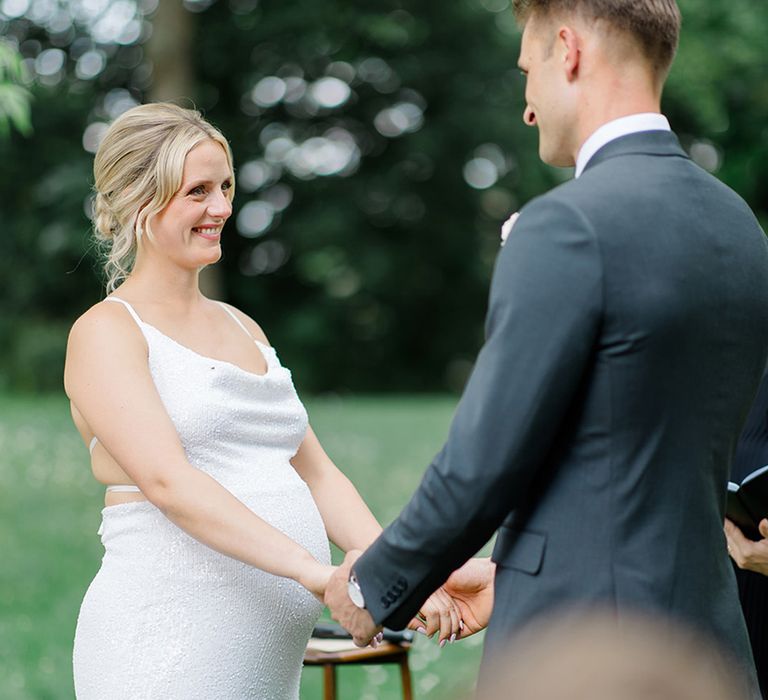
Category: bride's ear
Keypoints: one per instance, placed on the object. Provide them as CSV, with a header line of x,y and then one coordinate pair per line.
x,y
139,222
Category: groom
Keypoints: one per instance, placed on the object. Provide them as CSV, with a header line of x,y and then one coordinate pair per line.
x,y
626,335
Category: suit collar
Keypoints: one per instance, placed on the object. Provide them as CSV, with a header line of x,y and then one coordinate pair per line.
x,y
647,143
616,128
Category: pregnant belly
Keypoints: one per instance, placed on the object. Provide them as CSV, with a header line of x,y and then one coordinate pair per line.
x,y
167,610
138,534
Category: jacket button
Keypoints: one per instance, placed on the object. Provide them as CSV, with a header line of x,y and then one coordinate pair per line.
x,y
385,602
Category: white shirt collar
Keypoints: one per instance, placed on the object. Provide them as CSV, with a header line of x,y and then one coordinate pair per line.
x,y
634,123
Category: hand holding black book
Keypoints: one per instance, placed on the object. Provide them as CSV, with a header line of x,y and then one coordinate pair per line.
x,y
747,502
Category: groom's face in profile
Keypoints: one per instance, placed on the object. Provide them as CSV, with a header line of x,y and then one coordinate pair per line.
x,y
546,90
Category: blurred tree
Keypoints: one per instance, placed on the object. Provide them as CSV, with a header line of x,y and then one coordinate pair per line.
x,y
378,149
14,96
364,251
169,50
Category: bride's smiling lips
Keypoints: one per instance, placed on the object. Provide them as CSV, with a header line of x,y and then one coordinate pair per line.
x,y
211,232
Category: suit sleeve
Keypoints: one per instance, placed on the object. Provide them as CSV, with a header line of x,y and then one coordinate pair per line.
x,y
541,330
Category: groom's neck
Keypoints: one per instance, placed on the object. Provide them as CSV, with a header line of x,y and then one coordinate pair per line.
x,y
614,92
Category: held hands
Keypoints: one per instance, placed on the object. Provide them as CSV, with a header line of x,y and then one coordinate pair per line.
x,y
315,578
746,553
458,609
471,588
356,621
441,614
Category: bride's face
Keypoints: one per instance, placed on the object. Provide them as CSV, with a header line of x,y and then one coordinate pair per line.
x,y
188,230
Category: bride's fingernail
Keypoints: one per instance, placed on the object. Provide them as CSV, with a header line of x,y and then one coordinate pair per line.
x,y
442,644
461,625
421,630
453,638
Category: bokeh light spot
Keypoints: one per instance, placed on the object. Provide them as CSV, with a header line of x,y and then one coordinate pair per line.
x,y
90,64
399,119
330,92
706,155
268,91
480,173
14,8
265,258
256,174
93,135
255,218
50,61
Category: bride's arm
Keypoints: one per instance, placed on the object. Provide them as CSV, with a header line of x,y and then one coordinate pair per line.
x,y
351,526
107,378
348,520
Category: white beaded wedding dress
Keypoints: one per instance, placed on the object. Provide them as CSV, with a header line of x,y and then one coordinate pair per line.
x,y
168,618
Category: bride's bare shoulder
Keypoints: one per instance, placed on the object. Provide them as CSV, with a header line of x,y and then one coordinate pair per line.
x,y
105,336
103,314
104,323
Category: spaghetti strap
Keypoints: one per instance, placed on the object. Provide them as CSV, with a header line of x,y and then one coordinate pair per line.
x,y
131,310
236,319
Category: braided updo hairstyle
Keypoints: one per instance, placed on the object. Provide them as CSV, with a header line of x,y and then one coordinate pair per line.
x,y
137,170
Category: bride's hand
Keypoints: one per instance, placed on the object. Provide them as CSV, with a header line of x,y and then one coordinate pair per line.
x,y
471,588
441,614
315,579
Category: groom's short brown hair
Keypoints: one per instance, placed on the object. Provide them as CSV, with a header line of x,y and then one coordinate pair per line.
x,y
655,24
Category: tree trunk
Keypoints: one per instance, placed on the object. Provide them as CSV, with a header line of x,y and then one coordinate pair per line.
x,y
170,51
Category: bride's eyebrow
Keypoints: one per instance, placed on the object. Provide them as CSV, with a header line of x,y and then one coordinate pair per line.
x,y
192,184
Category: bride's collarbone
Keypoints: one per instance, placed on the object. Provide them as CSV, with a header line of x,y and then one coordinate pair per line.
x,y
212,338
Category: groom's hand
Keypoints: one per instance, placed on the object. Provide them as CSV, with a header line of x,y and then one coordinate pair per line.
x,y
356,621
471,587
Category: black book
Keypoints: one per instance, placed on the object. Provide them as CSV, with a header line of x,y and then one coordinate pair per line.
x,y
747,502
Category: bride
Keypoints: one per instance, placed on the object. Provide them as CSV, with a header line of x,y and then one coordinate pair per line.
x,y
219,495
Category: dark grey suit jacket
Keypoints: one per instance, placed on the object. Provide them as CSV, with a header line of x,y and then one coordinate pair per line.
x,y
626,335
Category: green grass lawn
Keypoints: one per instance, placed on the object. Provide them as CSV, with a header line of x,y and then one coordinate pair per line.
x,y
49,551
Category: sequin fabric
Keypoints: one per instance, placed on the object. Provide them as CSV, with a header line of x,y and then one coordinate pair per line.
x,y
167,618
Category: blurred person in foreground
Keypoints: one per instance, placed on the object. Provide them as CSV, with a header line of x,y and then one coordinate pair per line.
x,y
220,499
627,332
592,655
751,557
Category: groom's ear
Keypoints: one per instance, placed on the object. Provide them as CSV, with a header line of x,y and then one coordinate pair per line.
x,y
568,51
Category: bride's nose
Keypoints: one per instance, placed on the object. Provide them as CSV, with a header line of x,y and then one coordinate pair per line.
x,y
529,116
220,206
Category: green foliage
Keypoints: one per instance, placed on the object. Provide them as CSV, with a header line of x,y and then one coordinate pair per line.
x,y
718,91
14,96
376,279
36,352
50,507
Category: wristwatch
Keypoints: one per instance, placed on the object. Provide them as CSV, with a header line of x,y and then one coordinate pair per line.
x,y
354,591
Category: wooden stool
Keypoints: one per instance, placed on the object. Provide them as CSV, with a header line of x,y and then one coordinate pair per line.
x,y
385,653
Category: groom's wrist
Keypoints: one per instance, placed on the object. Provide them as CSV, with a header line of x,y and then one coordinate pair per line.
x,y
354,591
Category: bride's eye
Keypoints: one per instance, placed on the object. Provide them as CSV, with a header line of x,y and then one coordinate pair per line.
x,y
200,189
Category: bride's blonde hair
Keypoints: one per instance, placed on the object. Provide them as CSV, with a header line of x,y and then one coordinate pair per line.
x,y
137,170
